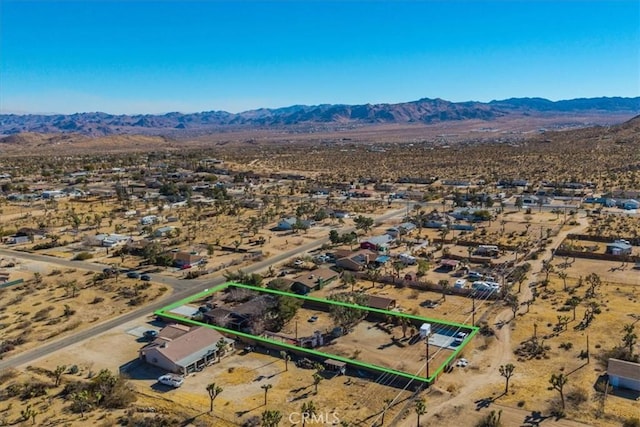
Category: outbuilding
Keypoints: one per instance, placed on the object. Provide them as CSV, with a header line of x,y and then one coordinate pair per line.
x,y
624,374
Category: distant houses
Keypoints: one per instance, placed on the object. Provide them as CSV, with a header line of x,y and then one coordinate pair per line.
x,y
619,247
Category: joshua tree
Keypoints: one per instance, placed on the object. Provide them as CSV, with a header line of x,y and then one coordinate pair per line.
x,y
630,338
266,388
444,286
29,413
222,347
573,302
316,380
558,382
285,356
563,276
309,409
271,418
57,374
214,391
420,409
387,405
507,372
81,399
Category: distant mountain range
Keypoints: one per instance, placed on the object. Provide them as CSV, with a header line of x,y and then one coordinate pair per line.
x,y
426,111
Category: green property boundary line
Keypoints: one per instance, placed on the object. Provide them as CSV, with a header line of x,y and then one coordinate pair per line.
x,y
163,312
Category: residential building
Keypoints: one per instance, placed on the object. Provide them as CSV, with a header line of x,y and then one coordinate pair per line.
x,y
624,374
182,350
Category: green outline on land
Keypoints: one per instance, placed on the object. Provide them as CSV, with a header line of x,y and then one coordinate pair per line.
x,y
163,312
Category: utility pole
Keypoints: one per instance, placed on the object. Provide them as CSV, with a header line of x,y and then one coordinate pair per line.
x,y
473,310
426,340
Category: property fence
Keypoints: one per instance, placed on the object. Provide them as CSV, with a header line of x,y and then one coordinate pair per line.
x,y
603,239
11,283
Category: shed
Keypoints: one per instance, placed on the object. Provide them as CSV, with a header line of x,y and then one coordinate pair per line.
x,y
425,330
336,366
623,374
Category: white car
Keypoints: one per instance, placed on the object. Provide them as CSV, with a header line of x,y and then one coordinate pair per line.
x,y
462,363
459,337
172,380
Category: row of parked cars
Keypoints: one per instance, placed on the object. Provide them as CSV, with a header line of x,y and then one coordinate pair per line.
x,y
111,271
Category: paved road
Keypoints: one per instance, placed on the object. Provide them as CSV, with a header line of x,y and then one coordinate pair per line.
x,y
182,289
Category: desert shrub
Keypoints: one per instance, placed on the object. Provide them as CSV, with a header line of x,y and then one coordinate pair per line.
x,y
137,420
33,389
252,422
577,396
555,408
13,390
42,314
97,300
631,422
73,370
492,419
566,345
7,374
82,256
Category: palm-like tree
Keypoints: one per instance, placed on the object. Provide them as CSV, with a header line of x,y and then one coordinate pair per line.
x,y
444,286
558,382
266,388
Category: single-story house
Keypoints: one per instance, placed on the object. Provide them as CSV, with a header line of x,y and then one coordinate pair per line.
x,y
355,261
108,240
183,350
449,264
377,243
623,374
340,214
313,280
535,200
289,223
163,231
619,247
381,303
149,219
404,228
183,259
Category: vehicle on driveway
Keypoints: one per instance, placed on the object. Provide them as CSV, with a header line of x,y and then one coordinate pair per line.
x,y
145,277
151,334
171,380
133,275
462,363
313,319
459,337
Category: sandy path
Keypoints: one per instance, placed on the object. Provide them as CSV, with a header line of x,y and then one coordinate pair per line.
x,y
439,412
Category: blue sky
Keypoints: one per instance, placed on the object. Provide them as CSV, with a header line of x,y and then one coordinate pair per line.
x,y
160,56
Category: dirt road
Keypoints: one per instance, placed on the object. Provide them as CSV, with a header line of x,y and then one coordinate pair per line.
x,y
498,354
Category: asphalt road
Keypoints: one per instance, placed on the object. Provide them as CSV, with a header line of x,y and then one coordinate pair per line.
x,y
182,289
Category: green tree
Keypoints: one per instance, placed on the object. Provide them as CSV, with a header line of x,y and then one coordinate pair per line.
x,y
214,391
363,223
507,372
81,400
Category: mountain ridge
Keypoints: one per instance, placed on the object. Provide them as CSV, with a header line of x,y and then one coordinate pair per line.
x,y
424,110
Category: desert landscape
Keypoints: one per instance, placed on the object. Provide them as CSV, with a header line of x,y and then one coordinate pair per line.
x,y
540,254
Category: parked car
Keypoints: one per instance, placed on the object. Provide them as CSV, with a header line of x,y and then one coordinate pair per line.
x,y
133,275
474,275
151,334
313,319
459,337
171,380
462,363
145,277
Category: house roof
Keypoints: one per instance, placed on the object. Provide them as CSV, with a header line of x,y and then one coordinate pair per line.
x,y
624,369
381,303
449,262
186,257
619,245
173,331
379,240
190,346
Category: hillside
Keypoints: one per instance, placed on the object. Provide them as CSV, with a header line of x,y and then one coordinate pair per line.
x,y
303,118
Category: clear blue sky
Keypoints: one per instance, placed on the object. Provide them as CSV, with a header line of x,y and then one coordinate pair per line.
x,y
160,56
